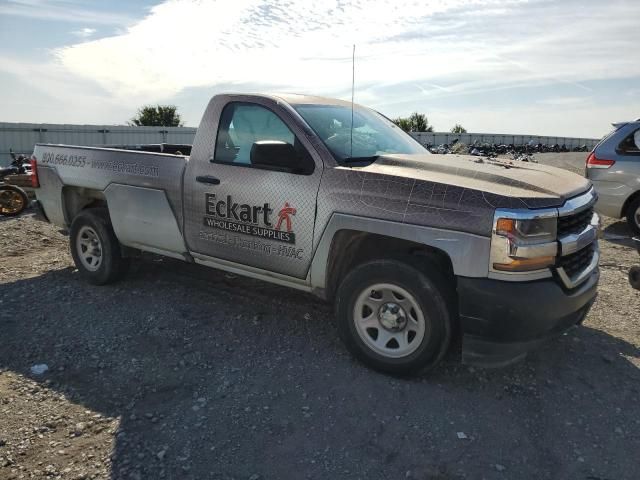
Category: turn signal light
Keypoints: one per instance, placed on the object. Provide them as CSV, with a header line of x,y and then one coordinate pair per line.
x,y
595,162
506,226
525,264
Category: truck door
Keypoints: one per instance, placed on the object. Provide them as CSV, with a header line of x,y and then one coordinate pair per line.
x,y
248,213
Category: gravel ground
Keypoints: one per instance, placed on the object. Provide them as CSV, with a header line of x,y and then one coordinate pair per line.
x,y
181,372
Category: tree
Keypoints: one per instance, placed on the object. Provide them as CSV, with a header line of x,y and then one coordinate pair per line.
x,y
416,122
457,128
403,123
158,116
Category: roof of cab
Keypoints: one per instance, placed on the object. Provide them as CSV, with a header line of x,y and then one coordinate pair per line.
x,y
300,99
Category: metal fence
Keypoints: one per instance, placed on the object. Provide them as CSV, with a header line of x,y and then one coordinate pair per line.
x,y
22,137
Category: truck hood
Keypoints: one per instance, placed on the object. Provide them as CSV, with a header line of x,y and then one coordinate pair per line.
x,y
523,180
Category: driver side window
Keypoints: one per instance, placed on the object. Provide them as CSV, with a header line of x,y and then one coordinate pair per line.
x,y
242,125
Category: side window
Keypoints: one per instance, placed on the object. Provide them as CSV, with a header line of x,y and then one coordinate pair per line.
x,y
242,125
631,144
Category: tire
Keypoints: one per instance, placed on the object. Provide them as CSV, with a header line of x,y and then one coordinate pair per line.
x,y
13,200
91,232
633,215
391,339
634,277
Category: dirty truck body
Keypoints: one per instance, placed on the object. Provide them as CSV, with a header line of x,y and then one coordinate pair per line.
x,y
413,249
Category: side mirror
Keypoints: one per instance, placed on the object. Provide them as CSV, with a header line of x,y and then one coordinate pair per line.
x,y
280,156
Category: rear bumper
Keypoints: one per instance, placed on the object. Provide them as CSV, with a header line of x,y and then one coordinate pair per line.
x,y
502,321
39,211
611,197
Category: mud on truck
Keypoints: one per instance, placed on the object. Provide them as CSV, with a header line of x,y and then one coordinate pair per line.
x,y
413,249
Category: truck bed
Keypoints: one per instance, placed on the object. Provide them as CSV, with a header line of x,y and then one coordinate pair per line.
x,y
146,188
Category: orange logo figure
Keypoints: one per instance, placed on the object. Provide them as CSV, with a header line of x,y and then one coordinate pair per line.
x,y
285,215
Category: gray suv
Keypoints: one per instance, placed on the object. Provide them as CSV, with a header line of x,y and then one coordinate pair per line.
x,y
614,168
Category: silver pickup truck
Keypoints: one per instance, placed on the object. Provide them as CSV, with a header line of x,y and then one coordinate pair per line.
x,y
413,249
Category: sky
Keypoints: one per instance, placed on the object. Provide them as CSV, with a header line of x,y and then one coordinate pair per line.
x,y
560,68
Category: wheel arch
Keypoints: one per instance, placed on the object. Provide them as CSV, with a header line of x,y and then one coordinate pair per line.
x,y
77,199
351,248
348,241
630,199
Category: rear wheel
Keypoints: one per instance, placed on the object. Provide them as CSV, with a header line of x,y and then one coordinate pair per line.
x,y
633,215
393,316
95,248
13,200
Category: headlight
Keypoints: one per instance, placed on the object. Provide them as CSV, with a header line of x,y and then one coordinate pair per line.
x,y
528,230
523,242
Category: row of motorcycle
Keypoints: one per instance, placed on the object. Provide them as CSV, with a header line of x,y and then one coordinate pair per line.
x,y
523,152
13,199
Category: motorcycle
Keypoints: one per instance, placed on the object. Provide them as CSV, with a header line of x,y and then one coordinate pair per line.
x,y
634,272
13,199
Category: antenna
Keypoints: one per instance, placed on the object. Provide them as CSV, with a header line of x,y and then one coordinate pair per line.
x,y
353,82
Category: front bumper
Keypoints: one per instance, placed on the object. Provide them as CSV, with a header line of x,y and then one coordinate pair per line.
x,y
501,321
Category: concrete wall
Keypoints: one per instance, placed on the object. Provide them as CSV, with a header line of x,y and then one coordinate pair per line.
x,y
22,137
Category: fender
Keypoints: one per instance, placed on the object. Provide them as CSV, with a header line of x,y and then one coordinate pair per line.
x,y
468,252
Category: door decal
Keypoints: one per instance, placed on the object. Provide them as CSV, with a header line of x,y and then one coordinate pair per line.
x,y
253,220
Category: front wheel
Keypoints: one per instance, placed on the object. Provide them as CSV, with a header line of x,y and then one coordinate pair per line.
x,y
13,200
394,317
95,248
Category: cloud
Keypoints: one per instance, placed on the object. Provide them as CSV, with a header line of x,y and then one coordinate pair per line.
x,y
564,101
296,45
84,32
444,47
62,11
45,92
410,54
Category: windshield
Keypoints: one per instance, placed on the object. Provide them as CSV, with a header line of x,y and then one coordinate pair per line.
x,y
373,134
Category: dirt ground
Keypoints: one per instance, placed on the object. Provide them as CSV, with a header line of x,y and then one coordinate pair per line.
x,y
181,372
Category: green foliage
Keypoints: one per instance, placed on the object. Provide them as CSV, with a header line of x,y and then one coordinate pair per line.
x,y
457,128
158,116
403,123
416,122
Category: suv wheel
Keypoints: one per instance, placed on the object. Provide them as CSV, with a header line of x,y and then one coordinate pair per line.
x,y
394,317
634,277
633,215
95,248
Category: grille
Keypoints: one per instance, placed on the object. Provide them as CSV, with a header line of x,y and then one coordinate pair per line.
x,y
575,222
578,261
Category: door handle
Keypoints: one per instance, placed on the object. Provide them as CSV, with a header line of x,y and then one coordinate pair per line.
x,y
208,179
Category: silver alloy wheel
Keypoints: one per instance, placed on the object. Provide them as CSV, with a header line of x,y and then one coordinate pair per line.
x,y
636,216
389,320
89,248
